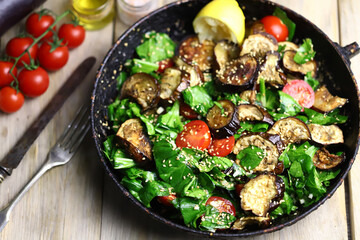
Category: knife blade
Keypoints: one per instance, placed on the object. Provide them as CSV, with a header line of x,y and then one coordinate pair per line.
x,y
15,155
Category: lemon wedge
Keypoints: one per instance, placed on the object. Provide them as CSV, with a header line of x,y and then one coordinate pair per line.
x,y
220,19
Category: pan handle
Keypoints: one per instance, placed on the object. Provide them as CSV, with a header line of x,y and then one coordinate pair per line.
x,y
348,51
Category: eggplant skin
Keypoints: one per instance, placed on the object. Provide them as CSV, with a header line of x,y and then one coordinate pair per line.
x,y
326,135
266,142
262,194
326,102
238,75
223,125
298,70
257,45
269,70
132,137
291,130
224,52
143,88
252,112
324,160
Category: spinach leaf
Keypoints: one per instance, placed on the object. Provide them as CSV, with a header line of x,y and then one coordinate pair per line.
x,y
153,189
251,127
172,118
191,209
234,98
122,160
325,119
250,157
269,99
286,207
305,52
121,79
213,219
288,105
198,99
133,185
156,47
311,81
209,163
137,65
289,24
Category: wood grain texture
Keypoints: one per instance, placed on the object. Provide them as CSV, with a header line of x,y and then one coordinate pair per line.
x,y
349,32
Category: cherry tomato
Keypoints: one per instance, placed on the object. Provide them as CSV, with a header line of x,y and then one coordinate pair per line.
x,y
37,24
301,91
10,99
221,147
53,60
196,134
33,83
222,204
73,35
164,64
274,26
187,112
5,76
239,187
167,200
16,46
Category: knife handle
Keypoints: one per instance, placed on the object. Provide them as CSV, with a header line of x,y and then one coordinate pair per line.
x,y
4,172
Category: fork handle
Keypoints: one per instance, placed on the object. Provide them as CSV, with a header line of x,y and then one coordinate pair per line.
x,y
44,168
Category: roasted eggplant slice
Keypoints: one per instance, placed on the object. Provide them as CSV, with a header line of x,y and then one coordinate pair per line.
x,y
257,45
325,102
296,69
262,194
143,88
223,121
173,82
326,135
325,160
193,52
132,136
251,112
268,143
224,52
243,222
248,96
270,70
195,75
291,130
257,27
238,75
289,45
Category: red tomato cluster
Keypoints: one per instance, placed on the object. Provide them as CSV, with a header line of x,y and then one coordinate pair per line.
x,y
51,52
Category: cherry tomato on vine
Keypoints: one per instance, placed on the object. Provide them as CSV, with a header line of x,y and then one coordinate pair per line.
x,y
274,26
53,59
33,82
5,77
222,204
196,134
73,35
10,99
301,91
37,24
16,46
221,147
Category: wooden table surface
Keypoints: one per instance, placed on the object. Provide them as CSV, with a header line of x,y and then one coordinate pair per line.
x,y
79,201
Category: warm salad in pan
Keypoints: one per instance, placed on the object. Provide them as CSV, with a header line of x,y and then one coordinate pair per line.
x,y
226,135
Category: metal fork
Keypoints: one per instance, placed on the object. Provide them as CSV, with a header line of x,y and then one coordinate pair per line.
x,y
59,154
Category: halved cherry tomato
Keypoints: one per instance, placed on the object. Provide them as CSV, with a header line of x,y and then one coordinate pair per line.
x,y
274,26
187,112
73,35
164,64
16,46
10,99
53,59
33,83
196,134
222,204
221,147
167,200
36,24
5,77
301,91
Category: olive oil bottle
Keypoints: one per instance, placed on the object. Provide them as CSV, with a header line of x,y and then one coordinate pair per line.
x,y
93,14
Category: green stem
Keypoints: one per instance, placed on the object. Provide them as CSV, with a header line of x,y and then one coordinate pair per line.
x,y
36,40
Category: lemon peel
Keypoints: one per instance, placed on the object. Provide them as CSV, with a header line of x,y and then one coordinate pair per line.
x,y
220,19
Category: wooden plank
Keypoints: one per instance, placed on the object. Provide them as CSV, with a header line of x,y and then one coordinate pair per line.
x,y
349,20
66,202
123,220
